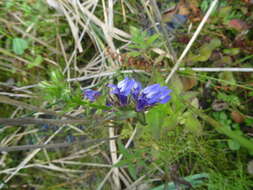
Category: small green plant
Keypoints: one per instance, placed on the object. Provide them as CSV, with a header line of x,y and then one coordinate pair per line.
x,y
223,118
231,180
57,90
142,43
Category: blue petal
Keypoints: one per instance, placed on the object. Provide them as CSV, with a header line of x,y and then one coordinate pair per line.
x,y
151,88
136,90
140,105
122,100
155,99
126,85
165,99
114,89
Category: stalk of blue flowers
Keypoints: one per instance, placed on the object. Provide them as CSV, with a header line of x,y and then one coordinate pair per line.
x,y
129,88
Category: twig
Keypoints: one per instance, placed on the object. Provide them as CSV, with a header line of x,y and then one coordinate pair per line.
x,y
57,145
194,37
218,69
15,95
10,101
164,31
119,158
5,52
25,121
105,74
136,182
113,151
26,87
83,163
27,159
30,36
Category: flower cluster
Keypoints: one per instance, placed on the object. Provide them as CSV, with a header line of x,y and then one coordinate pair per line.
x,y
129,90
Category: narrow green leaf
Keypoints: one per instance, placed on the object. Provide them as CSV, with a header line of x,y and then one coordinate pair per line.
x,y
134,53
152,39
123,150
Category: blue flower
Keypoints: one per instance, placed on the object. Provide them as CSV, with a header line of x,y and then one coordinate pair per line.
x,y
125,88
91,95
152,95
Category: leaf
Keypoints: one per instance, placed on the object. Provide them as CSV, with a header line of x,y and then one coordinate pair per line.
x,y
233,145
192,124
215,43
132,171
152,39
231,51
123,150
228,76
195,181
134,53
225,60
121,163
38,60
249,121
205,51
238,24
188,82
19,45
126,115
224,11
155,118
176,85
237,117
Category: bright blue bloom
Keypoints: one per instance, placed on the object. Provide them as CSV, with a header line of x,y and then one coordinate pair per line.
x,y
91,94
152,95
125,88
136,90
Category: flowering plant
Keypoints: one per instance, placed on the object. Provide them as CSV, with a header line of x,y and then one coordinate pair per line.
x,y
129,90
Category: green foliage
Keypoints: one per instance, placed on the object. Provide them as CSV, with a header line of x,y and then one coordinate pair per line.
x,y
58,90
155,118
37,61
233,131
195,180
232,51
142,42
19,45
233,145
228,76
231,99
167,134
205,51
132,158
249,121
230,180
